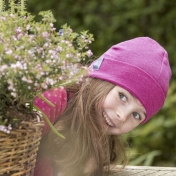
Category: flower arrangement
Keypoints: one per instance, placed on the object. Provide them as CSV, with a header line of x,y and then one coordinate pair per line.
x,y
35,57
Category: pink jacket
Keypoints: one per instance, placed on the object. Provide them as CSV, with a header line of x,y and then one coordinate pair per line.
x,y
59,98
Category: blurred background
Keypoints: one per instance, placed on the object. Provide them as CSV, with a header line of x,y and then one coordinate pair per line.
x,y
111,22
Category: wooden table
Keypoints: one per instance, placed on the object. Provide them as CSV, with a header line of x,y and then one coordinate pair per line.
x,y
146,171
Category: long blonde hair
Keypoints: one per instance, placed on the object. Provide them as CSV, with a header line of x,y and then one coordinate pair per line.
x,y
86,143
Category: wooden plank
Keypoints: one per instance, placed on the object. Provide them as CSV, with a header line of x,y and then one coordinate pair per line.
x,y
145,171
135,173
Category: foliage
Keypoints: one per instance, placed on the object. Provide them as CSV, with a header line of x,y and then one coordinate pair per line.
x,y
146,159
34,57
115,21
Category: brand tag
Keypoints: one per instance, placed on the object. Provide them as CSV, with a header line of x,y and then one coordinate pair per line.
x,y
97,63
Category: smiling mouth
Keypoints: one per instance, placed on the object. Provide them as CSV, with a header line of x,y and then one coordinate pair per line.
x,y
107,120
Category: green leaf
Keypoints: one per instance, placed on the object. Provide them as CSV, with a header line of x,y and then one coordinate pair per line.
x,y
146,159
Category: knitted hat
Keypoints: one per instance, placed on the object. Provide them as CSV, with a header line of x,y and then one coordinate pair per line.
x,y
141,67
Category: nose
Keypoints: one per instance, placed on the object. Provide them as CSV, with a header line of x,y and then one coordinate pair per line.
x,y
122,116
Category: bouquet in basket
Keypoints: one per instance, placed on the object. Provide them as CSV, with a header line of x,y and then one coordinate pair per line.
x,y
34,57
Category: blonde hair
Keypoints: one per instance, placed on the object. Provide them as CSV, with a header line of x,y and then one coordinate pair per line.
x,y
86,146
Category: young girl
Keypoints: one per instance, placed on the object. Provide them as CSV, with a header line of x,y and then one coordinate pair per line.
x,y
124,88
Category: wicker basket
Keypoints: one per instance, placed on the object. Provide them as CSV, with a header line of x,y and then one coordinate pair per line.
x,y
18,149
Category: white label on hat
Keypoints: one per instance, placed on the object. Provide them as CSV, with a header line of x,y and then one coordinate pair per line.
x,y
97,63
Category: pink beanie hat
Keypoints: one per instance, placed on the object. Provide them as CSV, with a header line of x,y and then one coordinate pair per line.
x,y
141,67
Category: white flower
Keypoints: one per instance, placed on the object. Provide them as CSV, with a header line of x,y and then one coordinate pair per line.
x,y
39,50
9,52
14,94
50,81
11,87
53,29
48,61
51,25
45,45
59,48
71,73
24,78
3,68
18,30
50,51
19,65
38,76
3,18
60,78
2,127
31,51
35,84
67,55
45,34
14,38
28,27
89,53
25,66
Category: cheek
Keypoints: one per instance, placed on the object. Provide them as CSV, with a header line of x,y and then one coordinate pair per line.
x,y
110,102
128,126
131,126
108,106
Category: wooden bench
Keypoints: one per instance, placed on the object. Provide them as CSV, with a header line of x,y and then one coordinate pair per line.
x,y
146,171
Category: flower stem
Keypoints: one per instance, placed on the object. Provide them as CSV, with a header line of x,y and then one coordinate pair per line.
x,y
45,100
49,123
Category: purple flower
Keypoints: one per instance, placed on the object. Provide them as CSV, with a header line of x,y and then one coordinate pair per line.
x,y
61,31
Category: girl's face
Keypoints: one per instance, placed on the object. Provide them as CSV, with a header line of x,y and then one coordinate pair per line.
x,y
122,112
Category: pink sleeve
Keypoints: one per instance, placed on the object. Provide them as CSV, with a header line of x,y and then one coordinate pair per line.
x,y
43,167
59,98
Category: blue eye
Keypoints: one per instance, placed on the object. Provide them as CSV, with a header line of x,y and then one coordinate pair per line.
x,y
136,116
122,97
